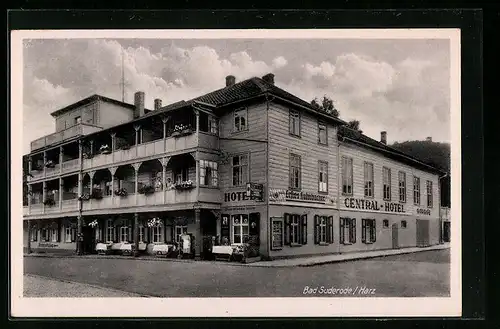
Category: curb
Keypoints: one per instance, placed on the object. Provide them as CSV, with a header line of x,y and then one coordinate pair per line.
x,y
89,285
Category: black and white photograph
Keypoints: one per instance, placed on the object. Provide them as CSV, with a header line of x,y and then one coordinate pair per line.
x,y
207,173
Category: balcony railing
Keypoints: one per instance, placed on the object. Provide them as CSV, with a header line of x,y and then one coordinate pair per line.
x,y
70,205
77,130
25,210
70,165
53,171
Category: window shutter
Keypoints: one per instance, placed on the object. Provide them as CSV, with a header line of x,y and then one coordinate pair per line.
x,y
330,229
224,227
287,229
363,230
374,231
58,232
304,229
353,230
316,229
342,237
254,229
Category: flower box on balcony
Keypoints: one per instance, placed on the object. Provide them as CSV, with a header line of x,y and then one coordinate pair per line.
x,y
96,194
121,192
187,185
87,155
182,130
105,149
49,202
146,189
84,197
125,147
50,164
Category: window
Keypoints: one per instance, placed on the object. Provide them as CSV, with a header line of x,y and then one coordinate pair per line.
x,y
208,173
158,233
403,224
110,231
294,123
179,231
78,120
386,173
54,235
385,223
142,233
181,175
109,189
323,229
69,234
295,229
240,120
124,233
402,186
295,172
44,234
369,233
240,228
323,176
322,134
416,190
429,194
369,179
347,230
34,234
240,170
346,176
213,125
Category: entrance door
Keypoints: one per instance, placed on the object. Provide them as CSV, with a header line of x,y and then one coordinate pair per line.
x,y
209,231
88,239
395,237
446,231
422,233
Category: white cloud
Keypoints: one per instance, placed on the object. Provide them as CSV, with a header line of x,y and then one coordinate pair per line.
x,y
280,62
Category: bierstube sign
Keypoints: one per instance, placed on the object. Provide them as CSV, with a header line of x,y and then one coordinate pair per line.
x,y
288,195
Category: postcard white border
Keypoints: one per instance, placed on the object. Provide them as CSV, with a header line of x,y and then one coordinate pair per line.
x,y
233,307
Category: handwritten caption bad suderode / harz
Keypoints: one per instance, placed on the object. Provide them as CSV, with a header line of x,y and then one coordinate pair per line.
x,y
356,291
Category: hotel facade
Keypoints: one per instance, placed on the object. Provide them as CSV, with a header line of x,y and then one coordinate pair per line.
x,y
246,165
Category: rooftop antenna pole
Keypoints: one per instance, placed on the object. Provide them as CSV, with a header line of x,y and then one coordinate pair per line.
x,y
123,77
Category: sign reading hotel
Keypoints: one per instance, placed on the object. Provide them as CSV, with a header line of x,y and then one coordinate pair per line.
x,y
374,205
298,196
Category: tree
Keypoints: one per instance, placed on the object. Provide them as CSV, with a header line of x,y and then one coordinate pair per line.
x,y
354,124
326,105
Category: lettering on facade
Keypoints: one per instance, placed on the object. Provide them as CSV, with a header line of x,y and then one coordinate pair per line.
x,y
363,204
424,211
235,196
288,195
47,245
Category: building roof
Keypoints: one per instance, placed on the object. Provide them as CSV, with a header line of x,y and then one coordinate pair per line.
x,y
357,137
89,100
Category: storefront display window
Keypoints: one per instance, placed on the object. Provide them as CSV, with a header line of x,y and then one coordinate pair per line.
x,y
240,228
179,231
157,233
110,231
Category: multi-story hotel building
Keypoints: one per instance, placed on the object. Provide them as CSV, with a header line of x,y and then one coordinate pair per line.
x,y
120,174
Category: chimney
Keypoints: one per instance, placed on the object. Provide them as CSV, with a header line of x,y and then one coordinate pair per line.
x,y
230,80
269,78
383,137
157,104
429,139
139,104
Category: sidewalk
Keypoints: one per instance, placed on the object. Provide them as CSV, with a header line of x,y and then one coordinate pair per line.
x,y
288,262
318,260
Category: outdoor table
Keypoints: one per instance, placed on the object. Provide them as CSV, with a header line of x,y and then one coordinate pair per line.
x,y
162,249
224,251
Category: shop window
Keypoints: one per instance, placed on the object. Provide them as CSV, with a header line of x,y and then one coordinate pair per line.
x,y
179,231
34,234
240,228
385,223
347,230
416,190
240,170
369,232
295,171
429,194
403,224
402,186
240,120
323,176
369,179
54,235
45,235
124,233
294,123
208,173
295,229
157,232
323,229
386,176
346,176
142,233
110,231
322,133
69,234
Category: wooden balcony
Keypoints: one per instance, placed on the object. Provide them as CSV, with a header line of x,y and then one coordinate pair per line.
x,y
56,170
58,137
69,205
70,165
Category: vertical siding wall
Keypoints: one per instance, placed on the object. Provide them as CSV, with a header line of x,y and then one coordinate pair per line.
x,y
111,114
281,144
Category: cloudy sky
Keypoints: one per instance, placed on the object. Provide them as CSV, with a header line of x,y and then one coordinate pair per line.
x,y
401,86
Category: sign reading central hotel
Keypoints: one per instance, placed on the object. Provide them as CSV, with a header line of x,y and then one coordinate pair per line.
x,y
353,203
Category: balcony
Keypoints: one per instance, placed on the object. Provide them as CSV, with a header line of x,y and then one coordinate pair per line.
x,y
25,210
70,165
58,137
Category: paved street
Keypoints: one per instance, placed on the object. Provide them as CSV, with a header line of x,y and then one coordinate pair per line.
x,y
409,275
